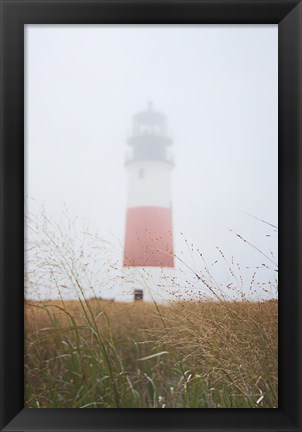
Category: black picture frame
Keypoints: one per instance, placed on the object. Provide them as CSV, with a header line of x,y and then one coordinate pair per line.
x,y
14,15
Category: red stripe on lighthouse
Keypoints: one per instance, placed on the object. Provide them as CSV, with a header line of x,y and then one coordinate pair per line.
x,y
149,239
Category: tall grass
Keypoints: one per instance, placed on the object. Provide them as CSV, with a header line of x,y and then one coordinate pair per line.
x,y
95,353
107,354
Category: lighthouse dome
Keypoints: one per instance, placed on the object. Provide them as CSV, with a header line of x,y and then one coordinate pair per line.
x,y
149,138
149,122
150,116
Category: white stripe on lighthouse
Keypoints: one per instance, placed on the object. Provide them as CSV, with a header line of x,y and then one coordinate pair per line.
x,y
149,184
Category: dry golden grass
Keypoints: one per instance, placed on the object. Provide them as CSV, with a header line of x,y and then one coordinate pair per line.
x,y
95,353
92,353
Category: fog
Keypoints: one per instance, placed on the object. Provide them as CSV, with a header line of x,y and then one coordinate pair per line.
x,y
217,85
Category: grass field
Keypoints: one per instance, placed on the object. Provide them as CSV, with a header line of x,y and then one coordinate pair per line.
x,y
102,354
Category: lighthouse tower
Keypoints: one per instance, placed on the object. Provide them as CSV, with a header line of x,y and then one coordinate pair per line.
x,y
148,237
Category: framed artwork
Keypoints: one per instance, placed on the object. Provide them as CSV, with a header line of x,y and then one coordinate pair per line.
x,y
150,236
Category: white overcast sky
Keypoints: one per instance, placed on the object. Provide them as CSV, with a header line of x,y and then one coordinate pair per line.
x,y
217,85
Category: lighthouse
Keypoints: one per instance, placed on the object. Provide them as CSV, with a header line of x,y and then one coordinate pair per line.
x,y
149,235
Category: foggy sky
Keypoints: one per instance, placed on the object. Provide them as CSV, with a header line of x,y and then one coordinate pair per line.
x,y
217,85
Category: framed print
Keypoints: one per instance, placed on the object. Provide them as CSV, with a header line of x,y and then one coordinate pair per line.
x,y
150,189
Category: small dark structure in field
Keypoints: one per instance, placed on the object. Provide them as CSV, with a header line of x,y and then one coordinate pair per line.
x,y
138,294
